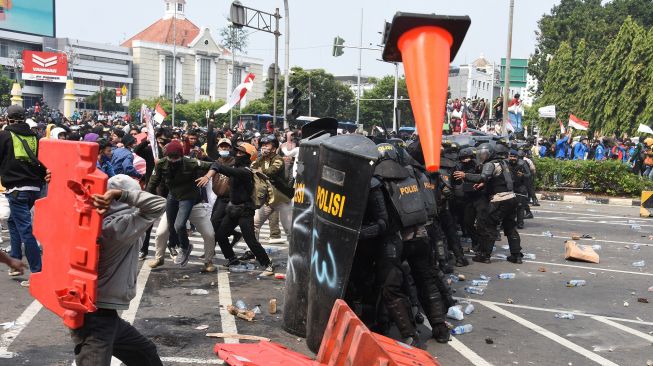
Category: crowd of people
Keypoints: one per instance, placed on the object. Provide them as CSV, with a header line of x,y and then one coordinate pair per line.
x,y
207,180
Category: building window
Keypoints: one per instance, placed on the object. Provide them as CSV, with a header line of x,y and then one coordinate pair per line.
x,y
180,7
205,76
167,6
238,76
169,86
4,50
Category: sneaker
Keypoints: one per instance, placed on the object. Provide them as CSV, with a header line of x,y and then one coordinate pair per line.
x,y
247,256
182,257
173,253
269,270
232,262
154,263
277,241
142,256
236,238
209,267
13,273
528,215
25,283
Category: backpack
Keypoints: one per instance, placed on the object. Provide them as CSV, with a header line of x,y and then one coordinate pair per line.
x,y
263,192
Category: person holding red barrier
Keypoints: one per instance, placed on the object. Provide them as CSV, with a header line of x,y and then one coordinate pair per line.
x,y
128,213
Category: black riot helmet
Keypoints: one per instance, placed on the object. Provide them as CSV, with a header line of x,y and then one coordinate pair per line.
x,y
466,153
484,152
388,152
501,151
269,139
398,143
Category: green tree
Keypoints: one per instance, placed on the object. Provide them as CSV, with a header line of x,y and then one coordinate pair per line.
x,y
380,112
233,38
257,106
6,84
108,100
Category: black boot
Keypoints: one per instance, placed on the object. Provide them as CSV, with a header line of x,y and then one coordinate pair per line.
x,y
441,333
481,258
435,313
461,262
401,314
515,258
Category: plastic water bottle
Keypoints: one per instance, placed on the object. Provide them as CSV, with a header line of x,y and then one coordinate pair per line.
x,y
569,316
576,283
530,256
453,278
596,247
506,276
480,282
240,304
455,312
484,277
548,233
501,256
475,290
238,268
639,264
469,309
462,329
635,247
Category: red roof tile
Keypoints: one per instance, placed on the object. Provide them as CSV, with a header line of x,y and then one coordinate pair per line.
x,y
162,32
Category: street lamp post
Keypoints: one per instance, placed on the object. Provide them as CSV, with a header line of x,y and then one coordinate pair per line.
x,y
286,65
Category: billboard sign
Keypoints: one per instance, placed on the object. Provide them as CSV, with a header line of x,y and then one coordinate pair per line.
x,y
28,16
45,66
518,72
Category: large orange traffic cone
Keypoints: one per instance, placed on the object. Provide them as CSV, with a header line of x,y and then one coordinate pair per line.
x,y
426,44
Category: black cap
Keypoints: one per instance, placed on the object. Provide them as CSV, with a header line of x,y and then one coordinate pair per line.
x,y
128,140
15,112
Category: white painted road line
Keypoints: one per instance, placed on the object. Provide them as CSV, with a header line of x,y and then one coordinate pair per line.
x,y
466,352
217,361
583,240
588,214
224,298
130,314
552,336
593,222
23,320
549,310
624,328
581,267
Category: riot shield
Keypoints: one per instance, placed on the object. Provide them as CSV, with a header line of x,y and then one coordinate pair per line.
x,y
296,292
345,170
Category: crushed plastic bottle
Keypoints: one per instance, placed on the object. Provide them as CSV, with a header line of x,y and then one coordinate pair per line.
x,y
455,312
635,247
480,282
475,290
469,309
462,329
506,276
596,247
199,291
240,304
569,316
454,278
484,277
548,233
501,256
635,227
271,250
639,264
256,310
529,256
650,289
505,247
576,283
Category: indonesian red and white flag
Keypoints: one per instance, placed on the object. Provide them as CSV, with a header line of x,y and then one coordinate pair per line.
x,y
146,117
563,130
238,94
159,114
463,124
577,123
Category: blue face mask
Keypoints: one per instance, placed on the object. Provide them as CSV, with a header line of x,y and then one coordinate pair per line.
x,y
223,153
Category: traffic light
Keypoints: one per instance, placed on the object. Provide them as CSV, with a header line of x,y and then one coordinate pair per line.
x,y
292,108
338,48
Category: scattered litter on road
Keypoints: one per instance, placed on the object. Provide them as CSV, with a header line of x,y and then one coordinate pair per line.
x,y
212,283
529,256
462,329
7,325
650,289
639,264
469,309
635,247
501,256
541,269
642,300
627,246
626,304
649,363
596,247
242,268
586,236
272,306
461,277
592,273
475,290
238,336
582,253
240,304
548,233
484,277
489,340
185,277
280,276
199,291
453,278
576,283
569,316
257,309
510,301
505,247
575,237
635,227
568,206
455,312
240,313
506,276
202,327
480,282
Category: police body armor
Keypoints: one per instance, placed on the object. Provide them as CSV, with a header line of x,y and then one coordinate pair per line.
x,y
296,292
428,187
502,179
345,170
403,191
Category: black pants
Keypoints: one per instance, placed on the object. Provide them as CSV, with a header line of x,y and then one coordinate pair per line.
x,y
450,228
243,217
474,208
219,212
504,213
416,252
522,205
530,186
146,243
105,334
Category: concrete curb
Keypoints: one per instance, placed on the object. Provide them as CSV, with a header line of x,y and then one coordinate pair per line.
x,y
573,198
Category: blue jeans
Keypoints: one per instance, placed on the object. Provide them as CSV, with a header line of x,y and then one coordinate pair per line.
x,y
20,228
178,212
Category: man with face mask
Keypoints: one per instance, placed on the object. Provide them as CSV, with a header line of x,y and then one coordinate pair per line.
x,y
179,174
520,173
474,202
220,186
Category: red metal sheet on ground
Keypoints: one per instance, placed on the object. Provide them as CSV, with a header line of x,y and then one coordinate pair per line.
x,y
67,227
261,354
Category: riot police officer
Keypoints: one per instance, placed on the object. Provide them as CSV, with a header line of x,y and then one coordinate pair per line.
x,y
447,219
520,174
495,176
474,202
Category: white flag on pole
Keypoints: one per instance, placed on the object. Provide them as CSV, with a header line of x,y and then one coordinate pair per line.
x,y
238,94
644,129
548,111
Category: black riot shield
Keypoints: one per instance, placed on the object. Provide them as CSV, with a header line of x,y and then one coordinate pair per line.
x,y
296,293
345,170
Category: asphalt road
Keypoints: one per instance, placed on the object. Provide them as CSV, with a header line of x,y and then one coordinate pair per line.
x,y
523,332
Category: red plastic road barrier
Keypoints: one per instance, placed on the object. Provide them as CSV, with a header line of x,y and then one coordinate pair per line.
x,y
67,227
346,342
261,354
426,44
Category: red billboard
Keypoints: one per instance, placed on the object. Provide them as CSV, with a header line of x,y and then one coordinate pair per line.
x,y
45,66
